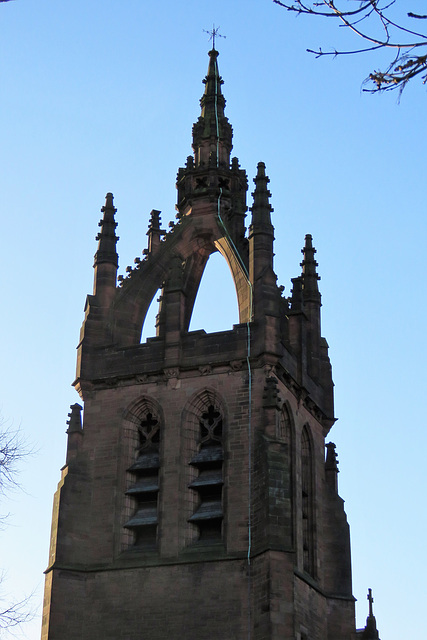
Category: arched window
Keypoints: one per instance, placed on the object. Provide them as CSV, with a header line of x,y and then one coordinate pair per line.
x,y
284,429
285,437
143,476
307,503
208,466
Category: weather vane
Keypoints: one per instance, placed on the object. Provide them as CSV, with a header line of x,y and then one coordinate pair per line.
x,y
213,33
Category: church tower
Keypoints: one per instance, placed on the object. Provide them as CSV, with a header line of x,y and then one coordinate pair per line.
x,y
199,495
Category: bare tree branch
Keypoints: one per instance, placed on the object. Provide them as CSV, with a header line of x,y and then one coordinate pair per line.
x,y
14,449
374,21
15,614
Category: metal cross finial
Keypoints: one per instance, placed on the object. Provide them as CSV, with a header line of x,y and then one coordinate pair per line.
x,y
371,600
213,33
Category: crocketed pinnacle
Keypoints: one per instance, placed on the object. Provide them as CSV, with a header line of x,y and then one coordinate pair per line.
x,y
310,277
154,224
107,237
261,209
154,232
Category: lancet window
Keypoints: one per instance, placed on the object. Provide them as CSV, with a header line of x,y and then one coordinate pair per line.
x,y
144,481
307,503
284,426
208,485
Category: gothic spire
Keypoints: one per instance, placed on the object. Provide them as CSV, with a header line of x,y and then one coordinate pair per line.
x,y
107,237
309,273
210,174
212,133
212,100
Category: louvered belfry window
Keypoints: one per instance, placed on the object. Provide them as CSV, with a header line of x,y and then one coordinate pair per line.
x,y
145,489
208,484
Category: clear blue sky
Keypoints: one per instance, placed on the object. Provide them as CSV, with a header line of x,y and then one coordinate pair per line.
x,y
101,96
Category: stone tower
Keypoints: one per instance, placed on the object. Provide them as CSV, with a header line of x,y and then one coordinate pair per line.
x,y
197,496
